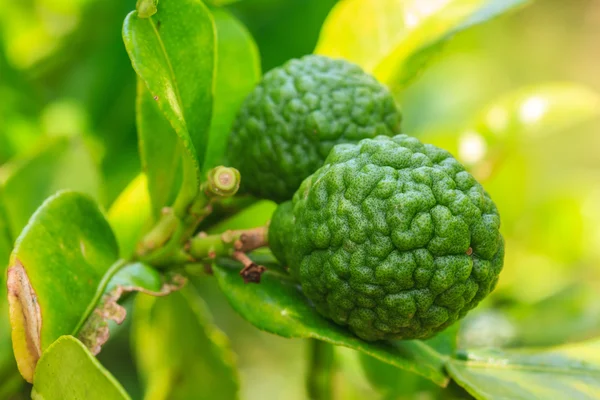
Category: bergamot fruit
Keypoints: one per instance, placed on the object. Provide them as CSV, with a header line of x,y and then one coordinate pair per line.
x,y
392,238
297,113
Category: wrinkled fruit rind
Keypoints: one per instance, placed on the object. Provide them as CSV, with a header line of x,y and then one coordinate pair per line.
x,y
281,228
298,112
394,239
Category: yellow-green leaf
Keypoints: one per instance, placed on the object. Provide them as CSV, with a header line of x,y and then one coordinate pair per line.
x,y
566,372
393,39
180,353
56,270
160,151
67,371
130,215
173,52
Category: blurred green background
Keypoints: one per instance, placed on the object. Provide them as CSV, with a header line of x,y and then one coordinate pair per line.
x,y
516,99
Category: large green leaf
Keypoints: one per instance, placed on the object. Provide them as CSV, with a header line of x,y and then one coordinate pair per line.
x,y
237,71
68,371
160,150
130,215
173,52
63,163
180,354
394,39
566,372
276,305
56,272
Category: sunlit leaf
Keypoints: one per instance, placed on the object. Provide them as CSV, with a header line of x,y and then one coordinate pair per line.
x,y
180,353
160,150
68,371
394,39
237,71
130,214
173,52
55,273
257,214
61,164
276,305
566,372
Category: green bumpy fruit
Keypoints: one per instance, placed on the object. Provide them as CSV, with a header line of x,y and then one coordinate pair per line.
x,y
392,238
297,113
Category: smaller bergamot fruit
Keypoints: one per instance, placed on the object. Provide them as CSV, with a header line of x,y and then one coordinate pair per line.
x,y
391,238
297,113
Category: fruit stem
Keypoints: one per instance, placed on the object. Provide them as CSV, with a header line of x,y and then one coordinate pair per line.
x,y
162,245
232,244
319,377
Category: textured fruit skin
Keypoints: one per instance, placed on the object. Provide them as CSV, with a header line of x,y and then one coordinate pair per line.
x,y
297,113
281,229
394,239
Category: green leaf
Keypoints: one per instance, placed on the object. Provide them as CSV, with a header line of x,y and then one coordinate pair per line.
x,y
173,52
393,382
132,277
160,150
257,214
56,273
68,371
180,354
394,39
277,306
136,277
567,372
237,72
130,215
61,164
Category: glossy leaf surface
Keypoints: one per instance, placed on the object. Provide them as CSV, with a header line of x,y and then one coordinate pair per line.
x,y
55,273
276,305
68,371
173,52
566,372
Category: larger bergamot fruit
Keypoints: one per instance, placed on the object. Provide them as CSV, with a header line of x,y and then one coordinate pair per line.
x,y
392,238
297,113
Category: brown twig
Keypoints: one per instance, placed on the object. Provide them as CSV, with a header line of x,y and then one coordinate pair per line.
x,y
251,272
